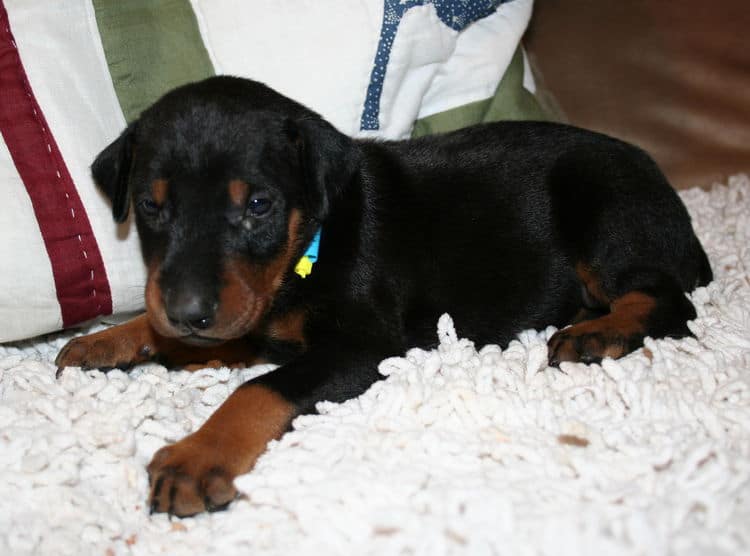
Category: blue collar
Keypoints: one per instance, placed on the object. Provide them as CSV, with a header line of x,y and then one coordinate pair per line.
x,y
305,264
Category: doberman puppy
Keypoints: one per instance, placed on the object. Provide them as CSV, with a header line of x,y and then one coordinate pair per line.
x,y
505,226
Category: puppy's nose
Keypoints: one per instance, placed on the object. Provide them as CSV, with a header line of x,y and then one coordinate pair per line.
x,y
191,311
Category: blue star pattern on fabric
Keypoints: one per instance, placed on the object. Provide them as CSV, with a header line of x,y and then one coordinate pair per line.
x,y
456,14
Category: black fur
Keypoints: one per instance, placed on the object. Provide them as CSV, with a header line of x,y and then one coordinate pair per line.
x,y
487,223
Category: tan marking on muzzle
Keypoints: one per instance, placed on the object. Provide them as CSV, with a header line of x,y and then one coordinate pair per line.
x,y
155,309
248,288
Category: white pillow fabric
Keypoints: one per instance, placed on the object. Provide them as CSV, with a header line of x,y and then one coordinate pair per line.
x,y
371,67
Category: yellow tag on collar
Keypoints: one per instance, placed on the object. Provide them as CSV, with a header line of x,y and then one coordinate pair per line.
x,y
304,267
305,264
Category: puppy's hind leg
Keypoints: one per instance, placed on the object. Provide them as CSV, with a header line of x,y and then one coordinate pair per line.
x,y
641,302
633,248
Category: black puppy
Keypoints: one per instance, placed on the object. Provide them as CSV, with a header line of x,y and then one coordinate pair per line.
x,y
505,226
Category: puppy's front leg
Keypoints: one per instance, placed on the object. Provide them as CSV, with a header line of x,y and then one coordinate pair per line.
x,y
197,473
135,341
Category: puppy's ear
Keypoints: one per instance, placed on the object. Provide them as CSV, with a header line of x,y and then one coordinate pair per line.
x,y
327,157
111,172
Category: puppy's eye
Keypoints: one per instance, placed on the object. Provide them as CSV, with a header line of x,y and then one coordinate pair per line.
x,y
259,206
148,207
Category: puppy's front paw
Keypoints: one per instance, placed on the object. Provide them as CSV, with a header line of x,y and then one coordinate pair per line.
x,y
121,346
102,350
190,477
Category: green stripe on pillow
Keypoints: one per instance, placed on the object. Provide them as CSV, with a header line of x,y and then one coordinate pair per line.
x,y
151,47
511,101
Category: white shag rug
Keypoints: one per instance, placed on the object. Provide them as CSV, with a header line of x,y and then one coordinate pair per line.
x,y
461,450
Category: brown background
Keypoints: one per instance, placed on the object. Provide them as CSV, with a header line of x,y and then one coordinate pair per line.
x,y
670,76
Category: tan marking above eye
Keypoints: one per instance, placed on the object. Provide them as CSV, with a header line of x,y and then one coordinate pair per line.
x,y
238,192
159,190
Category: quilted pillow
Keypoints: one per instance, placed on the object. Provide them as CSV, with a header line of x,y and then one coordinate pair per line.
x,y
73,73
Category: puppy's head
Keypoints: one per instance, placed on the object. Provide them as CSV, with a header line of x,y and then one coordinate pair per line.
x,y
229,182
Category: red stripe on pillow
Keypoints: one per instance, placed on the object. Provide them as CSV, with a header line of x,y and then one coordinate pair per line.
x,y
80,278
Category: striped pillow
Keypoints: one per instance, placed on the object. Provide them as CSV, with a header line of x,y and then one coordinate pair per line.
x,y
73,73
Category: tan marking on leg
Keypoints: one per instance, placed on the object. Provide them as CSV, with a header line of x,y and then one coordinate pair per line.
x,y
197,472
607,336
629,312
251,417
591,282
627,317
